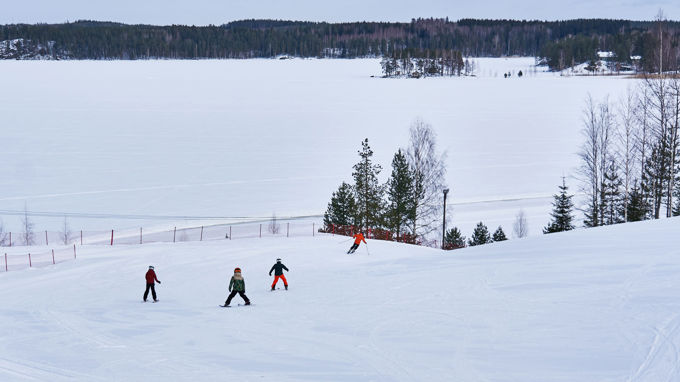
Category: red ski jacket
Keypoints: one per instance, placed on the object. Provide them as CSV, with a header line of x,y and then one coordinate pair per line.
x,y
151,276
358,238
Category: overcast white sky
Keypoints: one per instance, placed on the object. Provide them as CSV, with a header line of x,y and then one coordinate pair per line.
x,y
204,12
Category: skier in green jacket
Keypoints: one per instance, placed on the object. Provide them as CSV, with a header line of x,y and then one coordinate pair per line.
x,y
237,285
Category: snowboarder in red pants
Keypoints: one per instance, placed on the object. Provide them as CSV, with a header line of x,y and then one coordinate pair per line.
x,y
151,279
278,274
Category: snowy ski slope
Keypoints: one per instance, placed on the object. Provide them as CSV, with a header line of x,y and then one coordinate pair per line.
x,y
588,305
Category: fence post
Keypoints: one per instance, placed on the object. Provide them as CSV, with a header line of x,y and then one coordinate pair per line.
x,y
81,237
174,234
74,251
313,229
201,233
30,264
46,240
53,257
287,229
260,230
5,262
111,237
229,232
10,238
140,235
333,229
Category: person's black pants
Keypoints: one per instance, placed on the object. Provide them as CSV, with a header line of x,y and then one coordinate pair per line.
x,y
153,291
233,293
353,248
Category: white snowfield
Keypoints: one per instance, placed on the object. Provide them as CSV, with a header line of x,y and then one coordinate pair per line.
x,y
225,138
588,305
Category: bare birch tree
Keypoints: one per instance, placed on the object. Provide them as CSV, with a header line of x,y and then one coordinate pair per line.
x,y
674,144
3,234
627,144
595,156
274,226
29,234
520,227
66,234
657,168
429,172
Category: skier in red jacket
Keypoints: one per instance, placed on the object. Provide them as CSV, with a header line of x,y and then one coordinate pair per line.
x,y
150,283
358,238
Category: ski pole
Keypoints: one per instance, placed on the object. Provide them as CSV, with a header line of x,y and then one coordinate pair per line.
x,y
367,252
344,241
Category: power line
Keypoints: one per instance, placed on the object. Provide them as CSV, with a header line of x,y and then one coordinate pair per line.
x,y
143,217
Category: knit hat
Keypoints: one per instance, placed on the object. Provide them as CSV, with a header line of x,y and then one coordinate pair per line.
x,y
150,266
237,270
278,259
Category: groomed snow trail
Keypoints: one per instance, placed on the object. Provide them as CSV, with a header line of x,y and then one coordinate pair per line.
x,y
589,305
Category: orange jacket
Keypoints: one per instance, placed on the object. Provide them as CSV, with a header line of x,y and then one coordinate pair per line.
x,y
358,238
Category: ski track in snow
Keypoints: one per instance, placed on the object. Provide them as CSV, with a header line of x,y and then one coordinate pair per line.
x,y
663,359
22,370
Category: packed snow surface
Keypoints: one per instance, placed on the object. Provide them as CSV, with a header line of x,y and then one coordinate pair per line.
x,y
234,138
587,305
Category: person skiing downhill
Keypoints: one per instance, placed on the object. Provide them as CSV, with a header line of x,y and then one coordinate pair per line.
x,y
278,274
151,279
237,285
358,238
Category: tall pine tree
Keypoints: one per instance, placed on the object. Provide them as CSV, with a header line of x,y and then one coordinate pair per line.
x,y
400,193
562,211
368,192
342,208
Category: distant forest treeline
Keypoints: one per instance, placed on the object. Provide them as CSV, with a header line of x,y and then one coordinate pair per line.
x,y
561,43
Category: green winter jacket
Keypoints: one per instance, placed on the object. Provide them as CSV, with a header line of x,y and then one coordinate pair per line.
x,y
237,285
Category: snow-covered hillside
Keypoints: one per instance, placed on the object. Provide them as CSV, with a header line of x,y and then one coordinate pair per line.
x,y
588,305
21,49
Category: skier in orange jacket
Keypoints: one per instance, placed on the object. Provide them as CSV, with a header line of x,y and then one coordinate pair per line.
x,y
358,238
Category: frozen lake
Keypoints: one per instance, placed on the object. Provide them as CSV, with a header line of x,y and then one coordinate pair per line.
x,y
236,138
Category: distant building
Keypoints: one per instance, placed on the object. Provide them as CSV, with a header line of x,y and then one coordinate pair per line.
x,y
606,56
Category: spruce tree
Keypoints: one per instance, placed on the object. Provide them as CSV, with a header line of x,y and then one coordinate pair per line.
x,y
480,235
499,235
637,205
612,201
454,239
400,190
342,208
368,192
562,211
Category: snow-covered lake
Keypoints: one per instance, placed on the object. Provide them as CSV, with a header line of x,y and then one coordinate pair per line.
x,y
254,137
